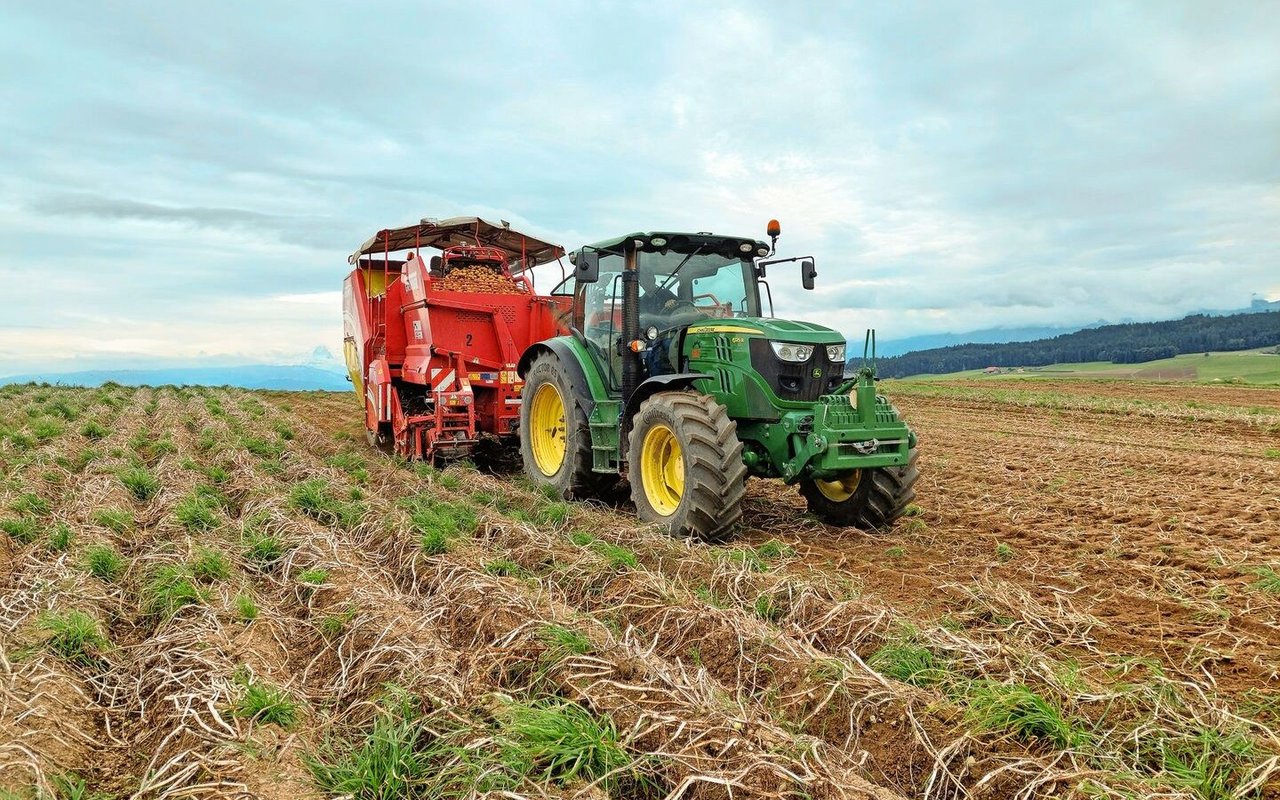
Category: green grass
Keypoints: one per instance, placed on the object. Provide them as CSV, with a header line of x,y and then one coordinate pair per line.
x,y
262,448
1268,580
767,608
527,745
617,556
315,498
393,760
439,523
45,429
74,636
332,625
246,608
1244,366
560,742
104,562
196,513
506,568
60,538
562,642
94,430
907,661
1017,709
1004,552
1208,762
169,589
116,520
30,504
60,408
261,549
351,463
266,703
314,576
760,558
23,530
209,565
70,786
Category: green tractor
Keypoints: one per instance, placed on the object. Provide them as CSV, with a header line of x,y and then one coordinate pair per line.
x,y
675,377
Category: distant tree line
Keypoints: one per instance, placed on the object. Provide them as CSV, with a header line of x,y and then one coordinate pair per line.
x,y
1132,343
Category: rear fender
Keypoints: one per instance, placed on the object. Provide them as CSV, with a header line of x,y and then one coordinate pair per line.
x,y
378,394
659,383
586,391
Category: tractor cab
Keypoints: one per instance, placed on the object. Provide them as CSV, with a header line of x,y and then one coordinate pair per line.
x,y
672,281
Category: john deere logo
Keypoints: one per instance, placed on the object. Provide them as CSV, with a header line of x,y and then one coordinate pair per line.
x,y
817,373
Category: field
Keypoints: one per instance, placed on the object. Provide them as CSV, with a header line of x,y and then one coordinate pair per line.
x,y
1260,366
220,593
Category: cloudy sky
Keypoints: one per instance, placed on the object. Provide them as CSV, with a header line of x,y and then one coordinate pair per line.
x,y
184,180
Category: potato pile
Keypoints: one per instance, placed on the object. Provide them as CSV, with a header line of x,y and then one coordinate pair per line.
x,y
476,279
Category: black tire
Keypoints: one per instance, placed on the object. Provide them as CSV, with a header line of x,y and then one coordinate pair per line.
x,y
714,477
574,478
882,495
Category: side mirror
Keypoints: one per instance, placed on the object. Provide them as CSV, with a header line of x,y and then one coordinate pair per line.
x,y
586,267
807,273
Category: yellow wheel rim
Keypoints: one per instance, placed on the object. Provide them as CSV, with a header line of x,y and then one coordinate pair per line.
x,y
842,488
662,469
547,434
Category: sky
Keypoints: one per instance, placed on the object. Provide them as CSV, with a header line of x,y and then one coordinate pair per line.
x,y
182,182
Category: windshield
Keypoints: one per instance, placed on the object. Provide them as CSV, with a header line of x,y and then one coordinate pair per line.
x,y
679,288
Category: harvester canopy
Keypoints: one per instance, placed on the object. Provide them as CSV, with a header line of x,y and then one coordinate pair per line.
x,y
525,251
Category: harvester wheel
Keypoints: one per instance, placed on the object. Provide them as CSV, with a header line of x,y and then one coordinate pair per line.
x,y
555,442
870,499
685,464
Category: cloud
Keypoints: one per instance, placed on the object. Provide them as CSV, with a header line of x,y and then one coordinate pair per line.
x,y
950,166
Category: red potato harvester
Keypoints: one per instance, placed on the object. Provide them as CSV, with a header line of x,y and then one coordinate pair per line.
x,y
432,347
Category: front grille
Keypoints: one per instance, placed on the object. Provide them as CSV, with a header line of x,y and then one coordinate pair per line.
x,y
804,382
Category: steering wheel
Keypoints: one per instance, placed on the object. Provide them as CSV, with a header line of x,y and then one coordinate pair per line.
x,y
710,297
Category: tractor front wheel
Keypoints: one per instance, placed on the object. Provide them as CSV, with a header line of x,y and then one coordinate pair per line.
x,y
685,465
870,499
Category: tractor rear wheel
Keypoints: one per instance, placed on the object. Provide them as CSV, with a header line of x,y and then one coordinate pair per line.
x,y
555,442
870,499
685,464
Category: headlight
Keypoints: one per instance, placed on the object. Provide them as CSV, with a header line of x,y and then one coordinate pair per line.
x,y
792,352
835,353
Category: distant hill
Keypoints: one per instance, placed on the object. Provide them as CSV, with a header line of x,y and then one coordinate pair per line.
x,y
1132,343
1000,335
254,376
932,341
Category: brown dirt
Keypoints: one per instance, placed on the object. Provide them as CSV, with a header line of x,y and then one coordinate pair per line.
x,y
1084,539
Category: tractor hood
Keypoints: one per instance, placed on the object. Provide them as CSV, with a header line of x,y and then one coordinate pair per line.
x,y
778,330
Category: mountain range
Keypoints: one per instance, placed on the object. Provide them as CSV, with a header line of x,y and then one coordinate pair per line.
x,y
321,370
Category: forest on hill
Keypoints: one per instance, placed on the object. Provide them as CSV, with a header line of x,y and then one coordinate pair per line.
x,y
1131,343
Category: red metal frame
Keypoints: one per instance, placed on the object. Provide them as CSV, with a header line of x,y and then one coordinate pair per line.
x,y
439,367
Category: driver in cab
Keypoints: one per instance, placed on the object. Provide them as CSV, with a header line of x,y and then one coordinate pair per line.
x,y
662,309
